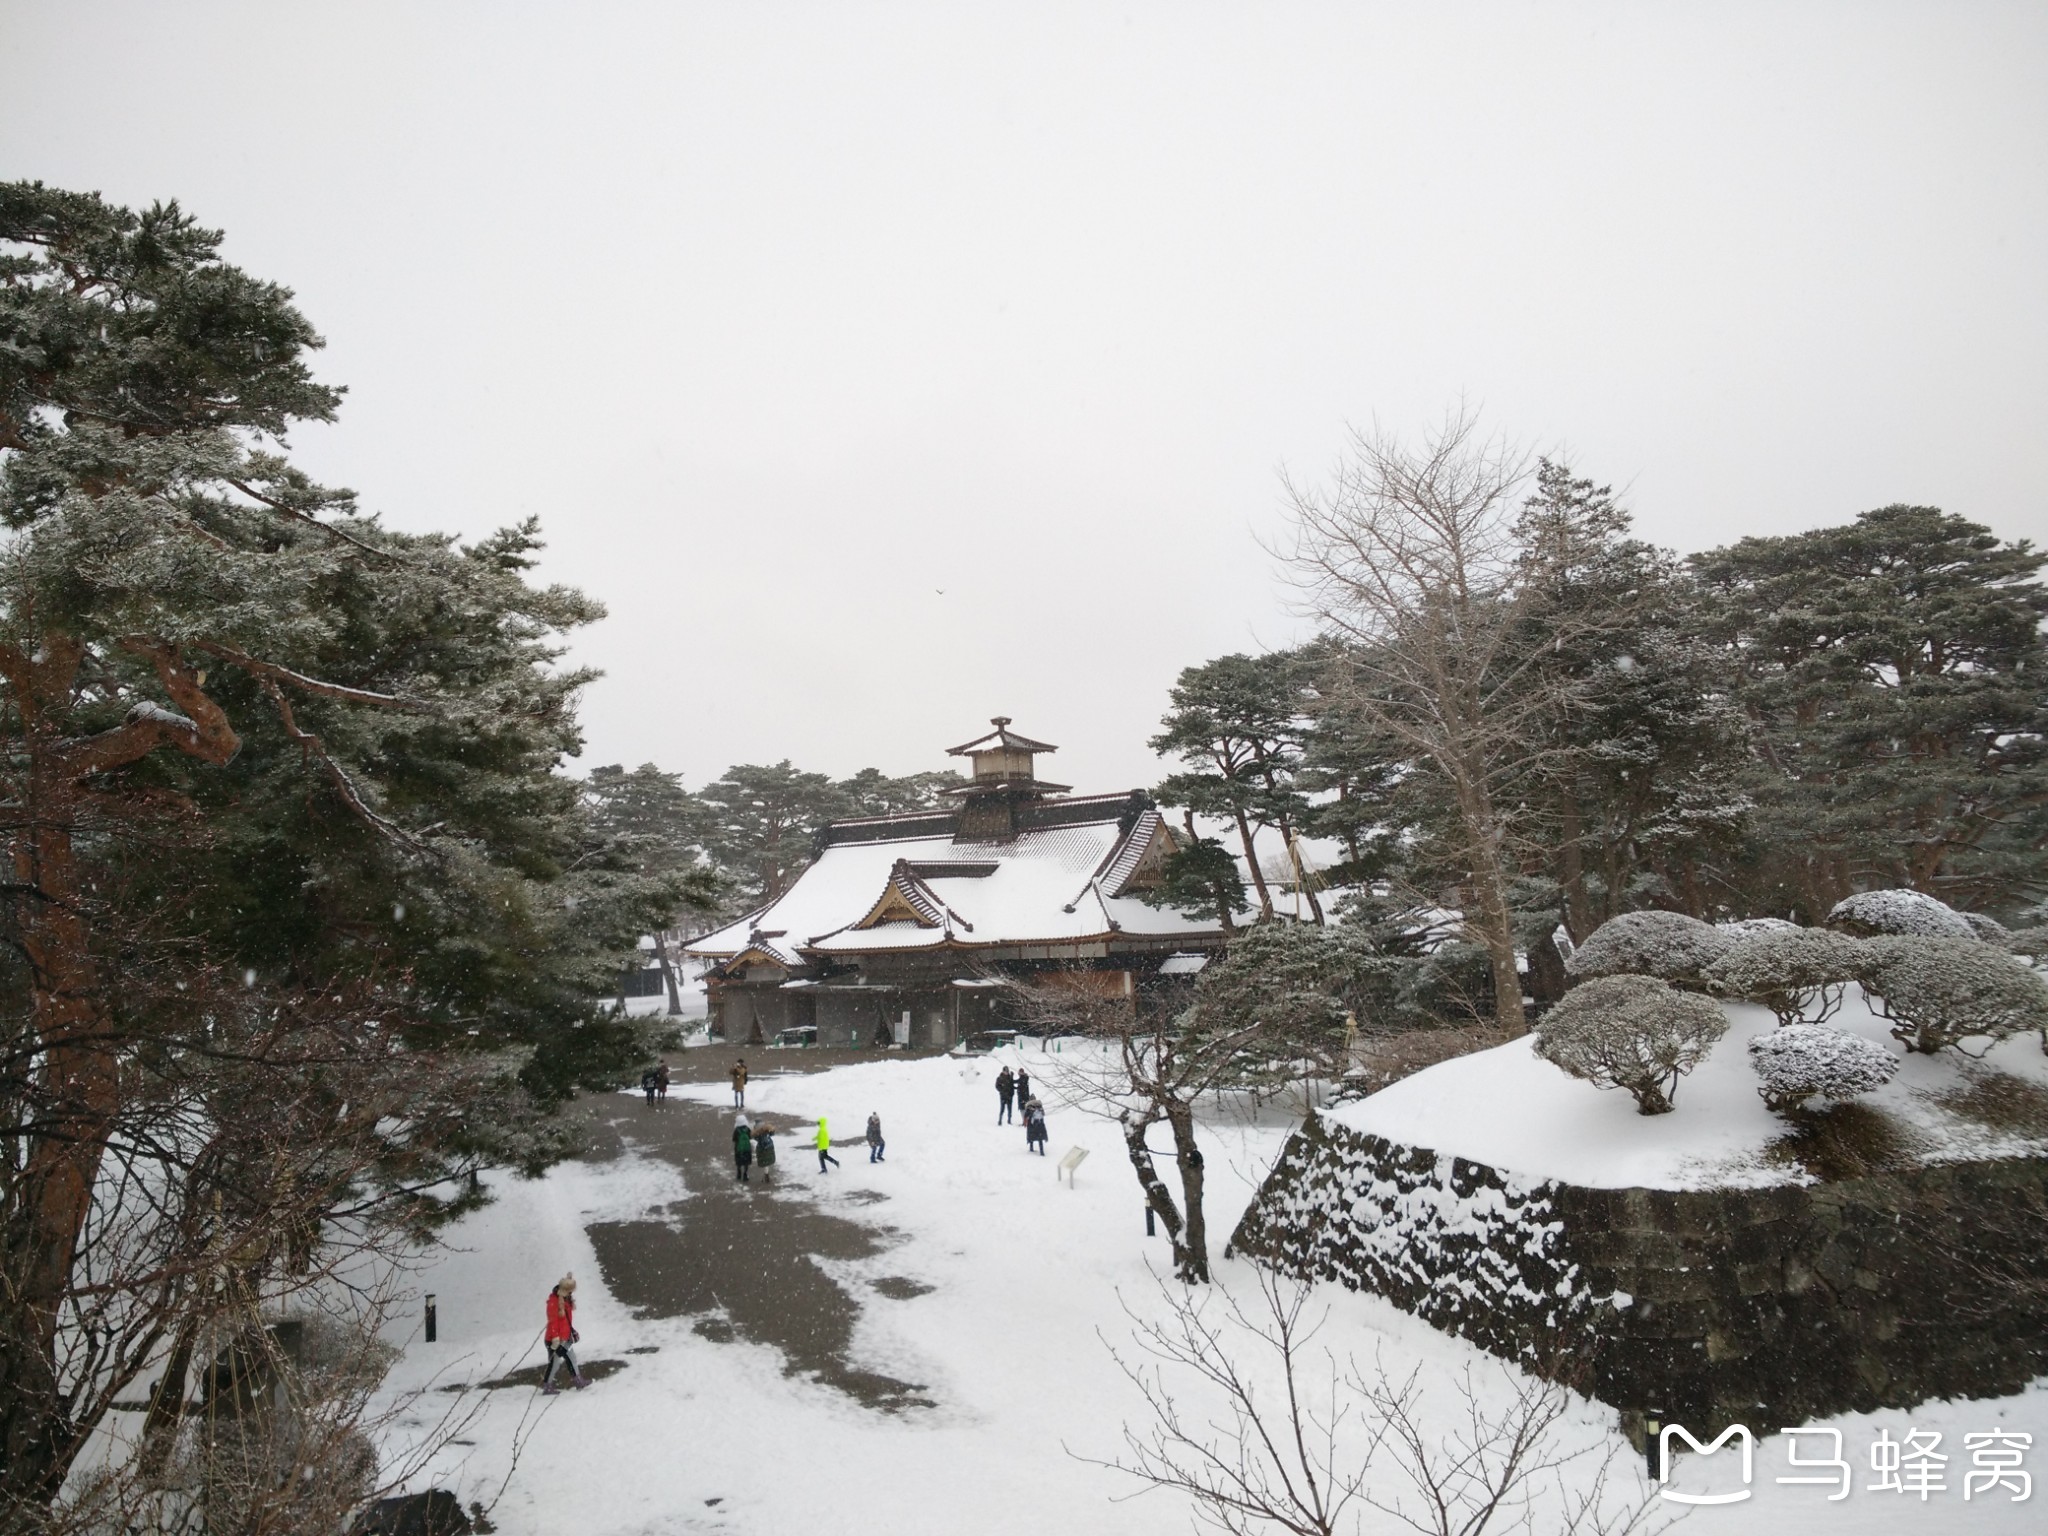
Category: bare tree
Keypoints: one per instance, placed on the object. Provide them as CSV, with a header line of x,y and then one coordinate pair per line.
x,y
1265,1431
1410,560
1151,1069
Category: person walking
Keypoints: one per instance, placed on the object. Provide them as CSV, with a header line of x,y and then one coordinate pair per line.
x,y
825,1146
1006,1085
1034,1128
661,1082
742,1147
875,1143
561,1336
1023,1089
739,1083
764,1151
647,1084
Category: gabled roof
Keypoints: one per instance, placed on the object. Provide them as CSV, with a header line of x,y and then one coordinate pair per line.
x,y
906,883
1001,739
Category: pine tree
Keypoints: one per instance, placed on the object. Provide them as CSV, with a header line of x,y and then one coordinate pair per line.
x,y
1238,723
1891,671
298,894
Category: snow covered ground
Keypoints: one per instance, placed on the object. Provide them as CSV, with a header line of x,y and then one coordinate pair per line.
x,y
1510,1108
1028,1284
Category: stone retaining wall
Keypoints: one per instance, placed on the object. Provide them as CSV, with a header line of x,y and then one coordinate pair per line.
x,y
1759,1306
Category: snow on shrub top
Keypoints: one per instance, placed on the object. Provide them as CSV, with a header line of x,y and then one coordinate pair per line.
x,y
1937,992
1899,912
1797,973
1631,1032
1989,929
1802,1060
1669,945
1748,927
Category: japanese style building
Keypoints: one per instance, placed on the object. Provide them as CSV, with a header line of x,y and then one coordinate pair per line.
x,y
901,929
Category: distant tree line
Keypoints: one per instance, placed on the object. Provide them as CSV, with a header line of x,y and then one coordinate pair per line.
x,y
751,831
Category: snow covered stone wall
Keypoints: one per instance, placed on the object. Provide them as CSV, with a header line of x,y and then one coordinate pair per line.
x,y
1763,1306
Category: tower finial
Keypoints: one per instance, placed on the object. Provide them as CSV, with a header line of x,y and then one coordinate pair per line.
x,y
999,721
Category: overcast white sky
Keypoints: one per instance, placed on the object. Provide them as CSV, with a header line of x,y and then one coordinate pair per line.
x,y
887,366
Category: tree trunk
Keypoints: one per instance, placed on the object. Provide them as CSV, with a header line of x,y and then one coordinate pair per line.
x,y
1190,1264
1191,1250
52,1196
1251,859
668,974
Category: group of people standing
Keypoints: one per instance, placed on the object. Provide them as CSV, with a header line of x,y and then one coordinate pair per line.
x,y
1014,1088
756,1143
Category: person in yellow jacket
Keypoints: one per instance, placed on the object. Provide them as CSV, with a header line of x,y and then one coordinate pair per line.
x,y
825,1146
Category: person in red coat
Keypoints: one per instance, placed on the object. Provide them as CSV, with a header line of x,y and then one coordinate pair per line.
x,y
561,1337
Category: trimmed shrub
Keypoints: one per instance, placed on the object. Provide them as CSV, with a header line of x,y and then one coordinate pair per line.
x,y
1937,992
1989,929
1797,973
1749,927
1906,913
2028,941
1667,945
1802,1060
1631,1032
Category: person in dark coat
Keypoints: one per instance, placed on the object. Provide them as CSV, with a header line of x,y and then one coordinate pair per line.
x,y
875,1142
661,1082
764,1151
1034,1128
1023,1088
1006,1085
742,1147
647,1084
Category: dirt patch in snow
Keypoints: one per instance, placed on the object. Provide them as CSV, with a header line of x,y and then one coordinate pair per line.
x,y
742,1258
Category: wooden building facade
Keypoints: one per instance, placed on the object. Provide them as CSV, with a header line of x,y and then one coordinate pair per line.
x,y
903,928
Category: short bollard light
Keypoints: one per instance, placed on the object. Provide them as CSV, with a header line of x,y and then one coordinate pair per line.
x,y
430,1317
1653,1430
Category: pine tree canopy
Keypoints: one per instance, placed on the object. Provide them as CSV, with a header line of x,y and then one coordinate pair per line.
x,y
1896,678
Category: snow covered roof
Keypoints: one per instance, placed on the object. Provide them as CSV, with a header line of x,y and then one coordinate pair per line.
x,y
1065,878
1001,739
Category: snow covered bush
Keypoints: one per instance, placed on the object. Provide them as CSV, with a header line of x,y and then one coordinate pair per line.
x,y
1802,1060
1937,992
1797,973
1989,929
1631,1032
1913,913
1669,945
2028,941
1749,927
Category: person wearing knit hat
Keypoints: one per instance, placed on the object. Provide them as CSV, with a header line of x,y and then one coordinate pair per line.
x,y
561,1336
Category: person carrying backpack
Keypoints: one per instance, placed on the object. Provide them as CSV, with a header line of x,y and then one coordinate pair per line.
x,y
1034,1128
561,1336
647,1084
742,1147
764,1151
875,1142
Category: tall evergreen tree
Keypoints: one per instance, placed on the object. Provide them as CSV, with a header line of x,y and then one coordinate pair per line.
x,y
1895,679
295,886
760,820
1639,781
